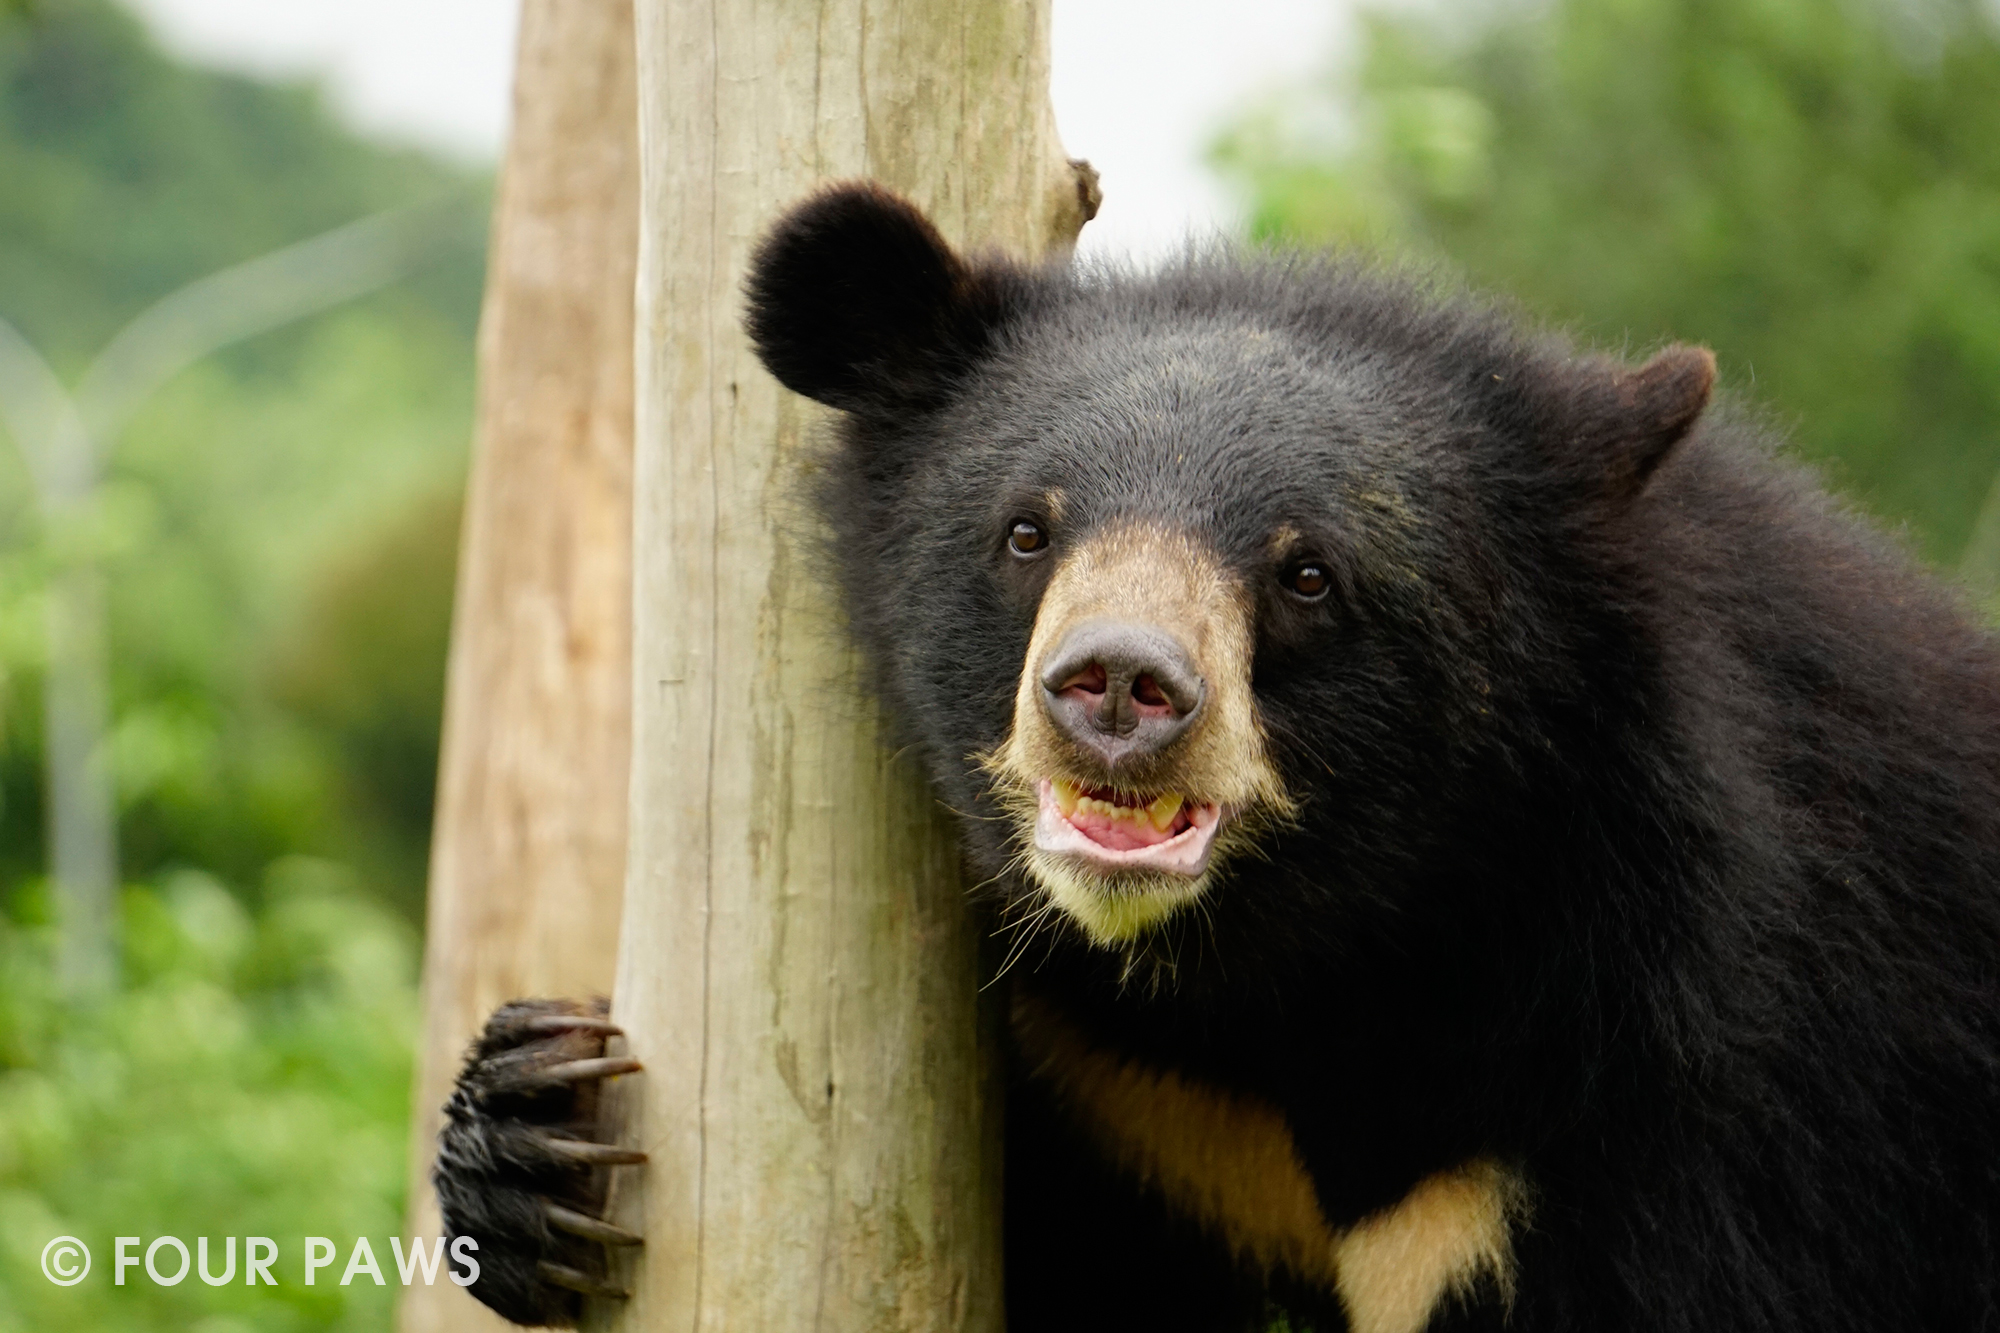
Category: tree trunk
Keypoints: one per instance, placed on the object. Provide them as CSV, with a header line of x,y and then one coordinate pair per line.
x,y
798,969
528,853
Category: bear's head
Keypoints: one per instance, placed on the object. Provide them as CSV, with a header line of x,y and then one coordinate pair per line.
x,y
1257,569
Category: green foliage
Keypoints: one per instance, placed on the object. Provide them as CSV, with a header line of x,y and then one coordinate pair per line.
x,y
1811,187
249,483
277,531
251,1080
363,669
128,175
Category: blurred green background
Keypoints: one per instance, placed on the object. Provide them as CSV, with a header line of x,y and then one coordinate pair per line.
x,y
279,527
1811,187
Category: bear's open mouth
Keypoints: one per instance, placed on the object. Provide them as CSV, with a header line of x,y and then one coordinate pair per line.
x,y
1121,831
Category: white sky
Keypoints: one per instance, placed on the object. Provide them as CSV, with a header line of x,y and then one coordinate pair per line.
x,y
1139,84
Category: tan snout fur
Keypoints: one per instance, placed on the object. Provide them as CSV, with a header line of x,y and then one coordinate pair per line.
x,y
1155,576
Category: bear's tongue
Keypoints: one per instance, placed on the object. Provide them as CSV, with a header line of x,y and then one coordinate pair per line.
x,y
1120,835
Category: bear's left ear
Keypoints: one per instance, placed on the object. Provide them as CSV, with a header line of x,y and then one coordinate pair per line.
x,y
1634,418
856,301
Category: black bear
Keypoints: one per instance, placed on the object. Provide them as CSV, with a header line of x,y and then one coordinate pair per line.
x,y
1496,845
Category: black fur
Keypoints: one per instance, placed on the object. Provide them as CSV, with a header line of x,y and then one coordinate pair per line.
x,y
858,302
498,1166
1651,803
1649,835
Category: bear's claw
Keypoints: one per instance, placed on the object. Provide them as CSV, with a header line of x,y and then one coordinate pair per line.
x,y
576,1071
572,1023
520,1164
588,1227
581,1283
591,1154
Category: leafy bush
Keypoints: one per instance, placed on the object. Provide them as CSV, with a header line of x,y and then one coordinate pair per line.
x,y
275,532
252,1079
251,484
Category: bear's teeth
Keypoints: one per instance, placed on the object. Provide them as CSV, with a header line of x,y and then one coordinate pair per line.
x,y
1067,796
1160,812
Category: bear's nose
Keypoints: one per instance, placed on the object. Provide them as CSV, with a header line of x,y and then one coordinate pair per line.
x,y
1121,691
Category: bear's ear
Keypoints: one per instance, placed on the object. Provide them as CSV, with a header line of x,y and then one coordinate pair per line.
x,y
856,301
1636,417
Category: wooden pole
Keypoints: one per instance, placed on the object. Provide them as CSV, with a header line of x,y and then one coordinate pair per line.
x,y
528,853
797,966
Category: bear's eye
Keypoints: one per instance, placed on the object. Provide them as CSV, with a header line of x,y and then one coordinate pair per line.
x,y
1308,580
1026,538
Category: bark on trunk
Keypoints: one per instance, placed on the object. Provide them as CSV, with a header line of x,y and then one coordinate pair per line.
x,y
528,853
798,969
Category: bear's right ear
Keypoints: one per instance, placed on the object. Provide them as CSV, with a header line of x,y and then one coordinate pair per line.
x,y
856,301
1630,419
